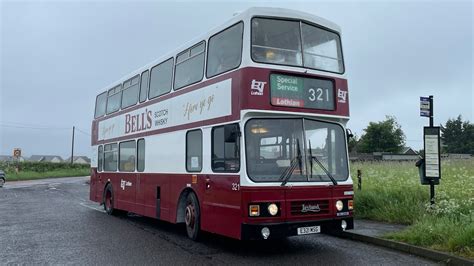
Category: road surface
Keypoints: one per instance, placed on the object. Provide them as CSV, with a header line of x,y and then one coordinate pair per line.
x,y
53,222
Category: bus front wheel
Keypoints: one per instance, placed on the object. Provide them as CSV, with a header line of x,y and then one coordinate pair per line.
x,y
109,201
192,216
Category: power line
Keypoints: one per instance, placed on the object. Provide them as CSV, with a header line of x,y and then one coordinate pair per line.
x,y
33,127
83,132
30,125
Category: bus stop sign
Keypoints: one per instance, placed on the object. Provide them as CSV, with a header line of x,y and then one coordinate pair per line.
x,y
425,109
432,169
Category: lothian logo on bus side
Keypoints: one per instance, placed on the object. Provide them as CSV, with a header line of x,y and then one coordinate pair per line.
x,y
257,87
341,96
310,208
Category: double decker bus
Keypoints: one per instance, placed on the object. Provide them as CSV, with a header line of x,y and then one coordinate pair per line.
x,y
241,132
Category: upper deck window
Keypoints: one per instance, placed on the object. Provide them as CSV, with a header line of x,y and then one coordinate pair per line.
x,y
114,98
144,85
100,103
189,67
322,49
130,92
161,77
225,50
296,43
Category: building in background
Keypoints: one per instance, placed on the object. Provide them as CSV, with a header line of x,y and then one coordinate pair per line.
x,y
79,160
46,158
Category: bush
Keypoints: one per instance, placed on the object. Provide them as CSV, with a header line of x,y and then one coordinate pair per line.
x,y
34,170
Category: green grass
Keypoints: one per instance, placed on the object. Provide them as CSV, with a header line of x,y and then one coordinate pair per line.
x,y
38,170
391,192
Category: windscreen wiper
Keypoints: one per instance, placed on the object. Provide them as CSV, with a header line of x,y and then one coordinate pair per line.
x,y
324,169
296,161
313,158
310,161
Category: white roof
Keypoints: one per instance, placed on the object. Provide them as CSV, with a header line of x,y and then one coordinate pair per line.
x,y
239,16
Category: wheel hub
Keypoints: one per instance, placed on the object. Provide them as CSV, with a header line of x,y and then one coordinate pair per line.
x,y
190,216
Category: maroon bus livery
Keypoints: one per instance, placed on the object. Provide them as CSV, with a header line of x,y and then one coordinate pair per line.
x,y
240,132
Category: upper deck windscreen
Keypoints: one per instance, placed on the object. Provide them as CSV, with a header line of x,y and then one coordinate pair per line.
x,y
296,43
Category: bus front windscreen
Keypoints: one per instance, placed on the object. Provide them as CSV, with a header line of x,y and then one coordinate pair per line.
x,y
295,43
274,145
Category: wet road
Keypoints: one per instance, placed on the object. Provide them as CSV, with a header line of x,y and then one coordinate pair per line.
x,y
53,222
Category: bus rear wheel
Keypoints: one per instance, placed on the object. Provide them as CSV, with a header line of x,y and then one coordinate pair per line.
x,y
192,216
109,201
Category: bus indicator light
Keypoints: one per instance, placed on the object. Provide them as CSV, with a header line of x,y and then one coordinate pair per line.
x,y
254,210
350,204
194,179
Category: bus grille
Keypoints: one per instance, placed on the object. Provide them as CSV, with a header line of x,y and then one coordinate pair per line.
x,y
315,207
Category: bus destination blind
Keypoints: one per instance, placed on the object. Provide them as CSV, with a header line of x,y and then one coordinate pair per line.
x,y
301,92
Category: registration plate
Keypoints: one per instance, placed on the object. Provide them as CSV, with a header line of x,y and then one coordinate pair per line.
x,y
309,230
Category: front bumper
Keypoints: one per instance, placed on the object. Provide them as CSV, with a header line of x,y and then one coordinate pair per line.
x,y
281,230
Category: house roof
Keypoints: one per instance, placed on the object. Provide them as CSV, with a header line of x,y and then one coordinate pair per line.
x,y
44,158
85,158
409,150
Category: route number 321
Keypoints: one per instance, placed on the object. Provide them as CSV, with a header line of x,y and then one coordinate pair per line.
x,y
318,94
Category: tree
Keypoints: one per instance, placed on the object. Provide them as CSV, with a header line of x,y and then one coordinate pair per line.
x,y
353,143
384,136
458,136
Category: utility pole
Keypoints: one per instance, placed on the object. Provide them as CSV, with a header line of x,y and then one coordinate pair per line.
x,y
72,148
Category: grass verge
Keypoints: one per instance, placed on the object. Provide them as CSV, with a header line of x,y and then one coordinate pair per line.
x,y
39,170
391,192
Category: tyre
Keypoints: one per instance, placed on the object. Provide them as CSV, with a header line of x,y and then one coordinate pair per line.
x,y
109,201
192,216
2,181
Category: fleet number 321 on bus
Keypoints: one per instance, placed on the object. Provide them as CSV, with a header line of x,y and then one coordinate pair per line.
x,y
240,132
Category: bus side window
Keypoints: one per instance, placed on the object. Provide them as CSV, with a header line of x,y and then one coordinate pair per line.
x,y
114,99
194,151
189,67
127,153
110,157
144,85
130,91
100,158
225,50
100,103
141,155
161,78
226,148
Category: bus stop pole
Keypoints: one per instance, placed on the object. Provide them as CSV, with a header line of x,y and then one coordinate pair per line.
x,y
432,186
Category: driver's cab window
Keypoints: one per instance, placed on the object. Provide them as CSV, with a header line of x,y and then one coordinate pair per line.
x,y
273,145
323,145
226,148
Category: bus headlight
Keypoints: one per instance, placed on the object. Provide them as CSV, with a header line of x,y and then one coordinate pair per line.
x,y
339,205
273,209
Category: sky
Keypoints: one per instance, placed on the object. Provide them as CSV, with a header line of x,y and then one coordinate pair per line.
x,y
57,55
